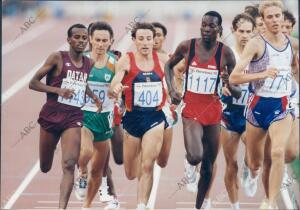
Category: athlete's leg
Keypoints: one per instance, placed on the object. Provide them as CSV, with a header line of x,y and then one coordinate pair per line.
x,y
279,132
151,146
48,142
255,142
192,133
86,150
117,144
267,166
211,144
292,147
164,154
70,146
207,201
131,152
230,141
101,149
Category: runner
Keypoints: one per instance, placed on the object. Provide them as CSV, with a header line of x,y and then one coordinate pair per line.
x,y
171,115
140,76
233,120
203,62
292,148
271,60
66,76
252,10
97,127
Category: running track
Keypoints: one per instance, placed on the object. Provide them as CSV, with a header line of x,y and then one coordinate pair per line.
x,y
22,185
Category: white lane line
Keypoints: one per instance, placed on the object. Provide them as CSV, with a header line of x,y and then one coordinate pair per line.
x,y
23,185
286,199
156,177
28,36
24,80
15,88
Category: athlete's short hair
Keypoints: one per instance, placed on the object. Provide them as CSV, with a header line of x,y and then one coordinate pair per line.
x,y
101,25
89,27
161,26
142,25
215,14
289,16
77,25
252,10
269,3
242,16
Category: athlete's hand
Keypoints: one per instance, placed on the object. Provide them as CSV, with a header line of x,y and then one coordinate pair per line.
x,y
66,93
175,97
118,89
225,77
271,73
226,91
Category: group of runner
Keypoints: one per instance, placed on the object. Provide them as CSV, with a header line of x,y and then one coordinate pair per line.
x,y
97,100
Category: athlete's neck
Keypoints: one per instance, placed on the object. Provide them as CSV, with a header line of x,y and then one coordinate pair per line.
x,y
75,56
100,60
274,38
239,48
160,51
208,45
97,57
144,57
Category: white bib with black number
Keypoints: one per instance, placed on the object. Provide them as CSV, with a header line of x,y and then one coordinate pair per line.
x,y
278,87
148,94
79,92
202,81
244,97
100,89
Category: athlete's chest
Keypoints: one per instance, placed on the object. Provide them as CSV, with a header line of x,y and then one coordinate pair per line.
x,y
150,76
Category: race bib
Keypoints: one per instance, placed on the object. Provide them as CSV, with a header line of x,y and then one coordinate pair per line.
x,y
148,94
100,89
202,81
244,97
280,86
79,92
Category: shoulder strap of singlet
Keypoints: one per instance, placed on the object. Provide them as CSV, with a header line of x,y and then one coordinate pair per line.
x,y
133,67
190,57
218,59
157,67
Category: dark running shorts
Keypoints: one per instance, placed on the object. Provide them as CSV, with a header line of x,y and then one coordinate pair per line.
x,y
54,120
137,123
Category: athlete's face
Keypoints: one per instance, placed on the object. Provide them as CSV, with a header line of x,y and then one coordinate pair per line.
x,y
144,41
79,39
287,27
260,25
159,38
209,28
100,41
273,19
243,32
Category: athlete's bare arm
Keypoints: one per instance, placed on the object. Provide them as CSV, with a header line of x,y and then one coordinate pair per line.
x,y
116,86
228,63
53,67
295,63
180,53
253,49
